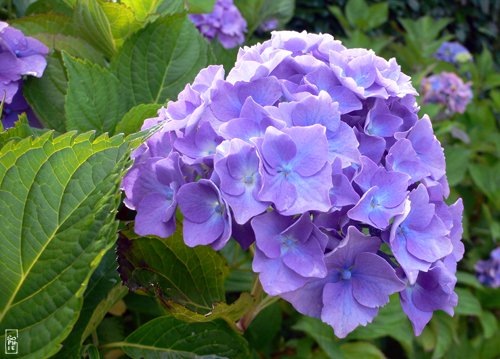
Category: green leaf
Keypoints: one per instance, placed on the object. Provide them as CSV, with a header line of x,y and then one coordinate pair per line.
x,y
142,8
200,6
229,312
356,12
263,330
363,350
468,304
192,277
46,95
489,322
468,279
483,176
377,15
170,338
58,32
53,6
58,198
93,101
94,26
444,332
457,159
20,130
134,118
322,333
103,291
122,21
158,61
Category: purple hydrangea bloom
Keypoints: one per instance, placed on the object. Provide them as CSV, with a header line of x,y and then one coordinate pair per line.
x,y
419,237
207,220
432,290
303,147
448,89
358,282
288,251
296,175
453,52
488,271
151,189
224,23
384,194
237,166
19,56
17,107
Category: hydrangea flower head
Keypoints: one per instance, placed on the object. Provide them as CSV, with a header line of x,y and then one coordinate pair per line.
x,y
316,153
488,271
453,52
448,89
224,23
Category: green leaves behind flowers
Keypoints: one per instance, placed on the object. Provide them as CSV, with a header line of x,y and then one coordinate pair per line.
x,y
58,197
189,282
170,338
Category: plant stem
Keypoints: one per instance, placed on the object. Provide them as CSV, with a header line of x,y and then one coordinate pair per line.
x,y
260,303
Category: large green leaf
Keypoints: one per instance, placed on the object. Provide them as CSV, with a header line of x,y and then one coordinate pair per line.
x,y
46,95
58,198
93,101
256,12
169,338
192,277
158,61
103,291
94,26
58,32
122,21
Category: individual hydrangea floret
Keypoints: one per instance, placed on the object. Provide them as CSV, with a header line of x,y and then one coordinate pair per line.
x,y
19,56
447,89
288,251
453,52
224,23
488,271
315,154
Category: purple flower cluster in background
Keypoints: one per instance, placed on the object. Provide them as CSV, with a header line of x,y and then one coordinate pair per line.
x,y
488,271
19,56
224,23
453,52
448,89
314,152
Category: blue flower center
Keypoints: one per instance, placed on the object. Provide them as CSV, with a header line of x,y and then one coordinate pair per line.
x,y
345,274
248,179
374,202
285,170
287,243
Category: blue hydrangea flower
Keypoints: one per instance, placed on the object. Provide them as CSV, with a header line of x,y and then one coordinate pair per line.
x,y
303,146
237,166
288,251
357,284
419,237
207,220
224,23
448,89
384,195
453,52
488,271
432,290
296,176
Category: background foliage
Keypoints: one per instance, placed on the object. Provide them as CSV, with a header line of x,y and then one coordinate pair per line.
x,y
114,64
